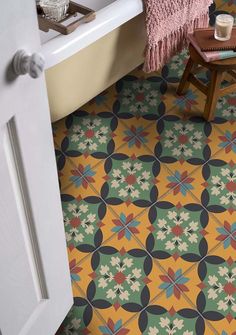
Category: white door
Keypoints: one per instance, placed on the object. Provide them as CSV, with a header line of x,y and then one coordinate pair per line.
x,y
35,290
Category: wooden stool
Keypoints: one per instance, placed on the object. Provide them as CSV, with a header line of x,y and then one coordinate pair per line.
x,y
213,90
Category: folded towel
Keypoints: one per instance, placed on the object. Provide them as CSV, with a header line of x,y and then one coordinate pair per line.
x,y
168,22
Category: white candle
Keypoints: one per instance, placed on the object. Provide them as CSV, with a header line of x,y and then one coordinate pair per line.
x,y
223,27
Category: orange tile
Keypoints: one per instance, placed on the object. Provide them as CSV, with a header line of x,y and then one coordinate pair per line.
x,y
173,229
88,221
168,314
183,145
228,6
119,279
65,167
216,183
91,137
81,319
211,283
136,179
59,131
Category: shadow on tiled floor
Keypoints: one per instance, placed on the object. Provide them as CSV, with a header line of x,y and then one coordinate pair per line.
x,y
149,197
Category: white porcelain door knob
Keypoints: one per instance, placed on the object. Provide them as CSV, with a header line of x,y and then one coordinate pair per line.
x,y
24,63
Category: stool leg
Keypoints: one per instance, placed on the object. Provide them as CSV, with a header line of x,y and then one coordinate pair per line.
x,y
212,95
184,83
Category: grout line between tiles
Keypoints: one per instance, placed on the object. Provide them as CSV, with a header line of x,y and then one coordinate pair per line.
x,y
199,200
135,316
93,308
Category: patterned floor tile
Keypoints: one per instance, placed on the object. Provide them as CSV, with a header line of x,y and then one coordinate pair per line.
x,y
146,98
87,222
217,187
86,135
125,179
229,6
228,221
183,145
58,129
135,138
92,108
219,3
177,65
225,116
137,97
170,316
77,172
126,218
174,229
101,103
119,280
82,319
189,104
64,168
213,284
81,177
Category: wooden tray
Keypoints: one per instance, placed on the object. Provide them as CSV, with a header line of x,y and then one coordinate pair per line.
x,y
45,24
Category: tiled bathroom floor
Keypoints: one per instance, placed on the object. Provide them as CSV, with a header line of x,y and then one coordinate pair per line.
x,y
148,192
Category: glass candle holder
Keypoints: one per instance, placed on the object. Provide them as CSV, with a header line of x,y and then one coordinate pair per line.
x,y
54,9
223,27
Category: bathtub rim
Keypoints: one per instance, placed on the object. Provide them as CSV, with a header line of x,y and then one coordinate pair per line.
x,y
63,46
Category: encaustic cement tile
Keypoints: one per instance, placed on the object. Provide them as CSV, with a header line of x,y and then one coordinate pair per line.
x,y
88,222
75,172
119,280
82,319
135,128
90,137
174,230
169,315
64,168
58,129
188,104
79,179
226,109
132,180
177,65
227,228
150,96
63,127
213,288
135,139
145,97
101,103
183,145
228,5
216,183
225,115
219,3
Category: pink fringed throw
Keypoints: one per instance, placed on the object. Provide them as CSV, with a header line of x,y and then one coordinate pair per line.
x,y
168,22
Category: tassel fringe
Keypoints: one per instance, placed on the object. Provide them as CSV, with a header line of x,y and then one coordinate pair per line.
x,y
157,55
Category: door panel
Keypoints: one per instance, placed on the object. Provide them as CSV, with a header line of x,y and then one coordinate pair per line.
x,y
16,260
35,289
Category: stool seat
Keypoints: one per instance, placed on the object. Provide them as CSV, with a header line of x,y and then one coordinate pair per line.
x,y
212,91
229,63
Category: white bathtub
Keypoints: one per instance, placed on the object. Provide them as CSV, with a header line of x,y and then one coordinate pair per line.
x,y
81,65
